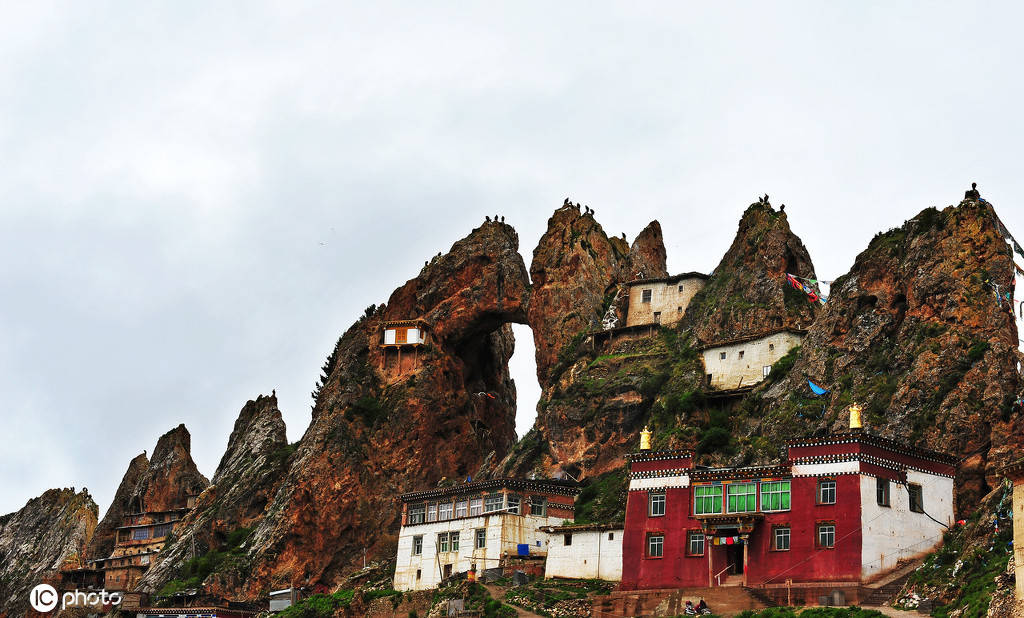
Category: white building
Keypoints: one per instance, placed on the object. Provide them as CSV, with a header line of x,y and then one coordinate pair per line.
x,y
476,526
585,551
662,301
744,362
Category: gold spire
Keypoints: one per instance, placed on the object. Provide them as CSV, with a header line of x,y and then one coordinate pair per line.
x,y
645,439
855,418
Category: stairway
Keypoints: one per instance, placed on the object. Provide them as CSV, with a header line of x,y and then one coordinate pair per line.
x,y
879,593
723,601
762,597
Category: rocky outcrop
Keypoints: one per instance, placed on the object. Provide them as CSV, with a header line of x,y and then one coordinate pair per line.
x,y
253,464
103,540
172,476
747,293
377,432
35,541
915,333
575,273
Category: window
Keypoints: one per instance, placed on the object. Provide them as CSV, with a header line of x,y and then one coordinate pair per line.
x,y
494,502
826,535
680,289
916,498
742,497
721,355
162,531
765,371
771,347
657,317
417,545
826,491
400,335
442,542
476,506
431,512
444,511
882,491
611,536
655,545
418,573
695,543
453,541
513,504
656,503
780,538
707,499
775,496
741,353
567,540
679,309
645,296
140,533
481,538
460,508
538,505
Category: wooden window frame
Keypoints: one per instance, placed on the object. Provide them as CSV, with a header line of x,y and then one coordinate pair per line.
x,y
775,538
818,487
883,497
647,545
911,487
690,536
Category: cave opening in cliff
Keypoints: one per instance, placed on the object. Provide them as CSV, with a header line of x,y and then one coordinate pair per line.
x,y
523,369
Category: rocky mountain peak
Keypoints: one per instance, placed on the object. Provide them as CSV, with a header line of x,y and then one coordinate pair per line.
x,y
102,542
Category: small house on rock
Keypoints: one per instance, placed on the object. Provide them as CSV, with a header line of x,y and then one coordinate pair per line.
x,y
401,341
743,362
662,301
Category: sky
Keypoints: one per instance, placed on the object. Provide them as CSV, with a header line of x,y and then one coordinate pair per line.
x,y
196,200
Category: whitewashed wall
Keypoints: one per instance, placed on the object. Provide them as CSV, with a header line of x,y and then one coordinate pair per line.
x,y
895,533
592,555
734,372
666,298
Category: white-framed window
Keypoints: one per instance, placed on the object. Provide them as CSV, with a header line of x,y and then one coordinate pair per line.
x,y
444,511
916,498
695,543
432,512
461,508
742,497
780,538
476,506
481,538
645,296
442,543
513,504
826,535
707,499
417,545
656,503
538,505
453,541
826,491
494,502
775,495
655,545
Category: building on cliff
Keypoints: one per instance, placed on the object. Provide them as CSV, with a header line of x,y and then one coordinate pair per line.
x,y
740,363
398,337
476,527
1015,473
584,551
663,300
840,511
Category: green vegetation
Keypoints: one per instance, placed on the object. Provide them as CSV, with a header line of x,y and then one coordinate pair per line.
x,y
812,612
716,435
977,351
196,570
603,499
782,366
370,410
325,605
542,596
477,598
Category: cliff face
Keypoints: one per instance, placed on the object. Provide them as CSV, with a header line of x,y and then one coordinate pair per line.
x,y
246,479
171,477
747,293
38,539
575,273
102,542
915,334
377,432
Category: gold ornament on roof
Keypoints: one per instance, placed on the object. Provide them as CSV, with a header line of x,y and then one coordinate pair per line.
x,y
645,439
856,422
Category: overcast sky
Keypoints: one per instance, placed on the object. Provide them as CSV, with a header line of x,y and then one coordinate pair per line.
x,y
196,199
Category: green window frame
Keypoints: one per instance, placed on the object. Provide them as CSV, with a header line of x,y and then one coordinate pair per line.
x,y
707,499
775,495
742,497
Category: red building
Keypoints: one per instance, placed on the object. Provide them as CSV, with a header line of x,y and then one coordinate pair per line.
x,y
841,509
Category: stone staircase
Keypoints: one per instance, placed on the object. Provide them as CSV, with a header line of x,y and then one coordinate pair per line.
x,y
879,593
723,601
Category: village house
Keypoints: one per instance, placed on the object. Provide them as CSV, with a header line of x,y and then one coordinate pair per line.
x,y
841,510
193,612
584,551
401,341
743,362
476,526
1015,472
662,301
138,539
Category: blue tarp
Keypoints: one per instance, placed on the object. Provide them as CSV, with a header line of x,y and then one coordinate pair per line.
x,y
524,549
817,389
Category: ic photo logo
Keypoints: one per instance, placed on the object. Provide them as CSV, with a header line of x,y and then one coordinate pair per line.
x,y
44,598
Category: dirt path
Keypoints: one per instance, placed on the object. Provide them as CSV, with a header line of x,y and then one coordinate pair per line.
x,y
498,592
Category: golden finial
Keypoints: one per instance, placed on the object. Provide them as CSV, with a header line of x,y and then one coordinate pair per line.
x,y
855,418
645,439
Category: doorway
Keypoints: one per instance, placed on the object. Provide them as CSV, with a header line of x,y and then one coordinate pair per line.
x,y
734,554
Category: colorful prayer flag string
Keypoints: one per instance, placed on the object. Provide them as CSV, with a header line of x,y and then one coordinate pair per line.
x,y
794,282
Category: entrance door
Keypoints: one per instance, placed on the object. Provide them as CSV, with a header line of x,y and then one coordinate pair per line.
x,y
447,571
734,555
